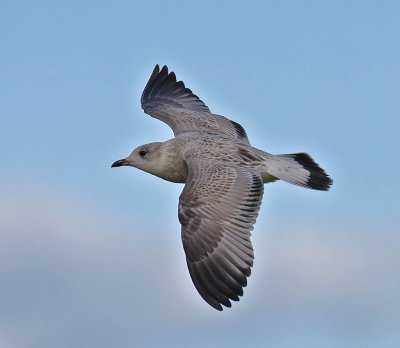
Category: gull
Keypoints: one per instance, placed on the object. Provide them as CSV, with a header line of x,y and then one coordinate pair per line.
x,y
224,179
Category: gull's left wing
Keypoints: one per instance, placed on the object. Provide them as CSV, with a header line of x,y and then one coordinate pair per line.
x,y
217,210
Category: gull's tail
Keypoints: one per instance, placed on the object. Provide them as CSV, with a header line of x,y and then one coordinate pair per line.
x,y
299,169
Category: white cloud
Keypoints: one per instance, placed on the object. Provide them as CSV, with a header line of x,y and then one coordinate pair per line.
x,y
73,277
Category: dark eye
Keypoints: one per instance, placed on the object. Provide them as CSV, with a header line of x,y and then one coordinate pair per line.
x,y
142,153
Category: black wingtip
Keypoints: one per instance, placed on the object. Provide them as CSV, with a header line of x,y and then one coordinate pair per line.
x,y
218,308
163,86
155,72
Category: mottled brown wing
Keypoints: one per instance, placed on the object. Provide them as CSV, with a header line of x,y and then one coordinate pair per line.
x,y
217,209
168,100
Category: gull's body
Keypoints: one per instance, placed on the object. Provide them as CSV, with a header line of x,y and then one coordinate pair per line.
x,y
223,176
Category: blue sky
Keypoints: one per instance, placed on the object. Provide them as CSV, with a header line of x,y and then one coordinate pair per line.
x,y
84,260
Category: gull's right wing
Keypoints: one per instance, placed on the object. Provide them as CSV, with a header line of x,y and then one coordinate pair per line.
x,y
170,101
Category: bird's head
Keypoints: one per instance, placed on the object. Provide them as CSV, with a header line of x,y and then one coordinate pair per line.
x,y
145,157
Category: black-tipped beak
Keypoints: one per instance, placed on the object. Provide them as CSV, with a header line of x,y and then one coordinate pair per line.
x,y
120,163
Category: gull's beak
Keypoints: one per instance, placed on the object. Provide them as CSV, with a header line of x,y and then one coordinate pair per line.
x,y
120,163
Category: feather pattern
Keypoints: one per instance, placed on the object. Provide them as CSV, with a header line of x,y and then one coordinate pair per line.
x,y
217,209
168,100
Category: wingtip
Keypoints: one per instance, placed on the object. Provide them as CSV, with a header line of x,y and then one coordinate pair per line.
x,y
218,306
165,82
164,68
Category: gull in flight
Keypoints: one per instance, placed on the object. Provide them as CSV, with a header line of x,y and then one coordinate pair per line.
x,y
224,179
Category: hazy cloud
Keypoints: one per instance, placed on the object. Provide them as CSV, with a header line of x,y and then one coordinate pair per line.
x,y
72,277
